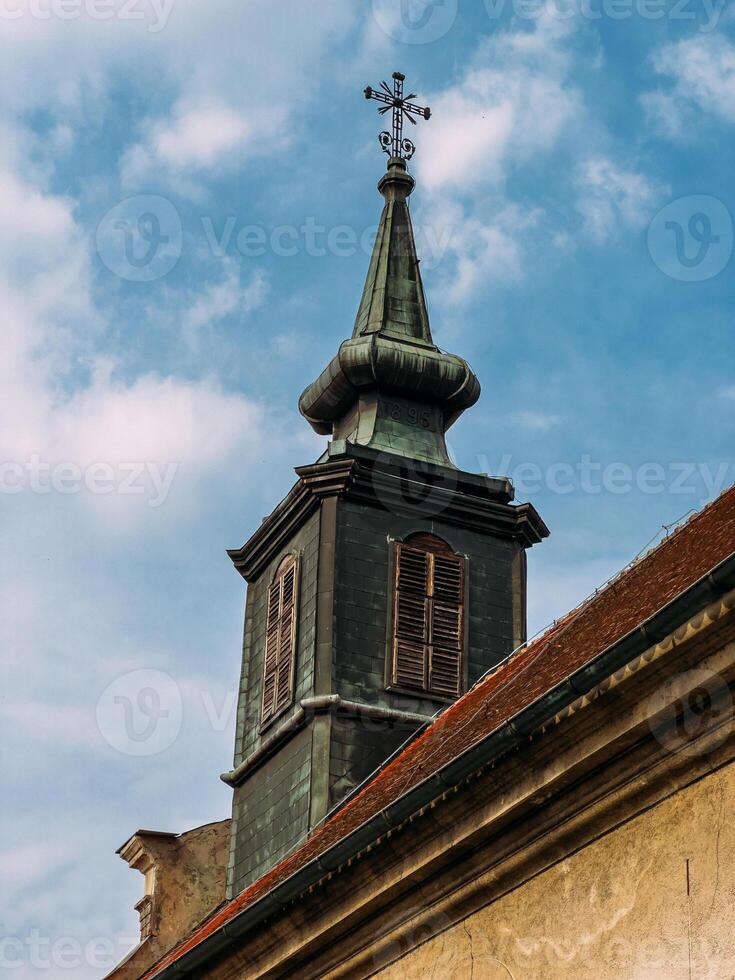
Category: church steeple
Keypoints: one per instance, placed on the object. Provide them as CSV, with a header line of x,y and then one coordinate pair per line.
x,y
390,387
387,582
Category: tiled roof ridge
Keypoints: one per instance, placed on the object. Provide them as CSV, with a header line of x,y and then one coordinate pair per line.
x,y
533,649
557,626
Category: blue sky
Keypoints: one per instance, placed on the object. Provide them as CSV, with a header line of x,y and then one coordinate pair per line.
x,y
573,212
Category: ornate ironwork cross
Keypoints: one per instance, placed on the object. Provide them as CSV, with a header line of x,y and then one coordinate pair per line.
x,y
394,143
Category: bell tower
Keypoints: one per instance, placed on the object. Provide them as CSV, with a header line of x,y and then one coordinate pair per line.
x,y
388,581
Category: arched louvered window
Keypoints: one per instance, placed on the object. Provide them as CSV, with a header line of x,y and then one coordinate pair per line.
x,y
428,617
280,642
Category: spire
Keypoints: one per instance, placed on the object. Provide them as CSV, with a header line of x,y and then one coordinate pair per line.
x,y
393,301
390,387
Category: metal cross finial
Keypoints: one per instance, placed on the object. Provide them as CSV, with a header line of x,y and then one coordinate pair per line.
x,y
394,143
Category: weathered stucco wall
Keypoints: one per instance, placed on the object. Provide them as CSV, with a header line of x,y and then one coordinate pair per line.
x,y
186,881
617,909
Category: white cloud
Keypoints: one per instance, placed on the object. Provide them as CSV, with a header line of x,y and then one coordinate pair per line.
x,y
223,89
518,105
514,105
482,253
74,616
154,418
518,108
79,569
200,137
50,325
535,421
665,113
197,135
221,299
611,199
200,47
513,102
702,75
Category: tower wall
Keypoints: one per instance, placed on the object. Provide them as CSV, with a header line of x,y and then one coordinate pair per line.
x,y
346,718
305,543
270,812
271,809
363,587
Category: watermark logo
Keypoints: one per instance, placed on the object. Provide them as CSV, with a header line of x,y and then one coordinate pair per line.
x,y
678,720
140,713
691,239
406,486
415,21
140,239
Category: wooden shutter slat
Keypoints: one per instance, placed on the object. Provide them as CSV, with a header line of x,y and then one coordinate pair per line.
x,y
410,664
444,672
411,618
413,570
428,628
285,646
279,657
270,665
446,626
447,578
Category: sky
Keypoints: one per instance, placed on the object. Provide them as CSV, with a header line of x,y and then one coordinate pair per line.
x,y
187,198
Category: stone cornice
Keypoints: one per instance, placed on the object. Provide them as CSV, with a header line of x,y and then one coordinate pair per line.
x,y
397,484
274,532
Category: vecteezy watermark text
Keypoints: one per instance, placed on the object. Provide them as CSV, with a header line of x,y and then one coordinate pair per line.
x,y
425,21
37,475
315,240
154,12
140,239
589,476
707,12
61,952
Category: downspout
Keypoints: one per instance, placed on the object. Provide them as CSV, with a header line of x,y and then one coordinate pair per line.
x,y
313,706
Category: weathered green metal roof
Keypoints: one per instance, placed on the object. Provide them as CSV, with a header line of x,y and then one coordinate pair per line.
x,y
393,301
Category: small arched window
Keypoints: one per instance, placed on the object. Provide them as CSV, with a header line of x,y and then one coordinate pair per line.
x,y
428,617
280,642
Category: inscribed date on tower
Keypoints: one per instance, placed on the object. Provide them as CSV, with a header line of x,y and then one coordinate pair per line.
x,y
422,418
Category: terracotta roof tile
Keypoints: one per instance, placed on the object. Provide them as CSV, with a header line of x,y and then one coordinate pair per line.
x,y
624,603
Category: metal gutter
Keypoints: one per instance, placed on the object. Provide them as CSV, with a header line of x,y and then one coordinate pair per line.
x,y
510,734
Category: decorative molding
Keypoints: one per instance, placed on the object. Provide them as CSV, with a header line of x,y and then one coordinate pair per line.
x,y
396,483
